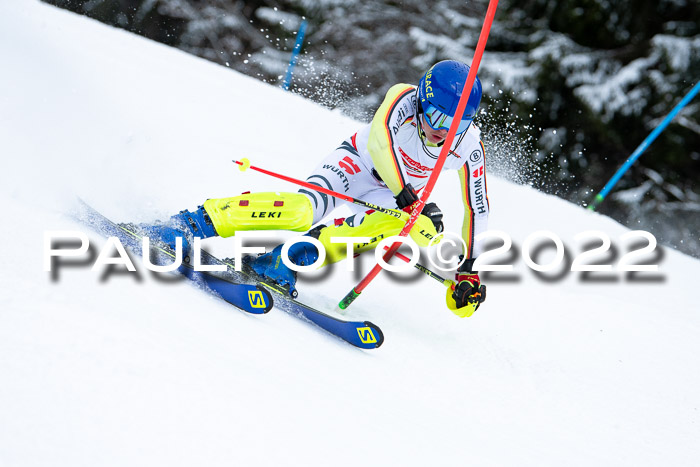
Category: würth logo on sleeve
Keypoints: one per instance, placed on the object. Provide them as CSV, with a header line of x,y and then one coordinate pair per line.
x,y
349,166
478,172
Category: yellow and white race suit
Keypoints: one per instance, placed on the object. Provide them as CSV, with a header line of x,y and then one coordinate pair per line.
x,y
376,163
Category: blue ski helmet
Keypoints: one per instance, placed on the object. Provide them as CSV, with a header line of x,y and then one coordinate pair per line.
x,y
439,91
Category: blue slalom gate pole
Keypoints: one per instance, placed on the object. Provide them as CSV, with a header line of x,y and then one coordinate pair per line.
x,y
295,54
643,147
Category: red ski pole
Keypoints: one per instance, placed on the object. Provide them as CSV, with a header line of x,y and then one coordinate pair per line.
x,y
245,164
471,77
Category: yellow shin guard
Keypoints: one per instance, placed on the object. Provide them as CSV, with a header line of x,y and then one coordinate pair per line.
x,y
260,211
377,226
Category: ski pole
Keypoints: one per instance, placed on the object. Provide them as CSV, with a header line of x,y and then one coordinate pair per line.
x,y
245,164
461,105
446,282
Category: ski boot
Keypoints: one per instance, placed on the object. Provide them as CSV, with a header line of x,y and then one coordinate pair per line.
x,y
270,265
186,225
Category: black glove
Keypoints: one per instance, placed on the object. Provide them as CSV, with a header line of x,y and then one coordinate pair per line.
x,y
406,198
469,289
432,211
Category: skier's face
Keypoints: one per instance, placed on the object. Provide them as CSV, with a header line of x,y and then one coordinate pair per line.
x,y
434,136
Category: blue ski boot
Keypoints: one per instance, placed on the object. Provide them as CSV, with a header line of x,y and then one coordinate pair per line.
x,y
270,265
185,225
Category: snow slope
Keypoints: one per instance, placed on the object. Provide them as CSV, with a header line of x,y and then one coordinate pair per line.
x,y
100,368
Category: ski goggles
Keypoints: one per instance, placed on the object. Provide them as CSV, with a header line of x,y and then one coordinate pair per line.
x,y
439,120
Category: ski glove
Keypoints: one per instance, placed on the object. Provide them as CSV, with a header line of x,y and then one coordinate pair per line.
x,y
468,293
406,201
407,198
433,212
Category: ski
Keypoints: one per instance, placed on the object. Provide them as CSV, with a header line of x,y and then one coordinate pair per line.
x,y
248,297
243,289
362,334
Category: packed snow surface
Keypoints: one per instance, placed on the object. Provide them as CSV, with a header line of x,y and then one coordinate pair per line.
x,y
107,367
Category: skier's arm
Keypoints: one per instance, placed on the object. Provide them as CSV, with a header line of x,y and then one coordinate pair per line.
x,y
396,109
469,293
476,205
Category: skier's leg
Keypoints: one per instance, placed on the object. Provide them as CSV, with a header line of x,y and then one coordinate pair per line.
x,y
270,211
260,211
225,216
341,171
371,224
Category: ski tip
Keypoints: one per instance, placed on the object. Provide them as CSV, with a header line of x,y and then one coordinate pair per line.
x,y
371,335
268,298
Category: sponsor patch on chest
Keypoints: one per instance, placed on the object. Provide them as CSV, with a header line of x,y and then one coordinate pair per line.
x,y
413,167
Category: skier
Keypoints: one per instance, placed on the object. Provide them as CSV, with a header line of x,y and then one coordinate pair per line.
x,y
386,163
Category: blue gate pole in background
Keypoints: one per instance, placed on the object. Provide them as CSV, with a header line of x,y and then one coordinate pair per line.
x,y
295,54
643,147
